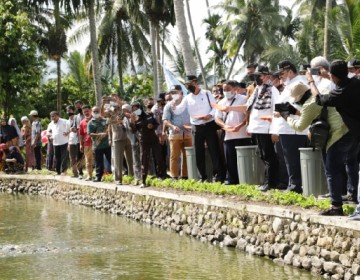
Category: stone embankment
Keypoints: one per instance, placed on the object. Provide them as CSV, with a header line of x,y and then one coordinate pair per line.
x,y
329,246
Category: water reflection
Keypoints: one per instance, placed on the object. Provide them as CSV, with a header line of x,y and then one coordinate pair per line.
x,y
54,240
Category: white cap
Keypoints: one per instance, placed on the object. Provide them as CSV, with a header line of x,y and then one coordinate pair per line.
x,y
127,107
33,113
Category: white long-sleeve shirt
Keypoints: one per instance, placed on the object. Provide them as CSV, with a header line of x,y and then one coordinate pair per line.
x,y
279,125
197,105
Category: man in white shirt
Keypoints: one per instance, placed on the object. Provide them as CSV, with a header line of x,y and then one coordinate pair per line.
x,y
261,107
57,130
76,156
290,140
198,103
235,133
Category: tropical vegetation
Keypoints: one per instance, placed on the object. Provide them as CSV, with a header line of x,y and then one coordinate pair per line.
x,y
130,40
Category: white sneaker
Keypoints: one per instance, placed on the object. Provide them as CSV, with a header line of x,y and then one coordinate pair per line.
x,y
354,216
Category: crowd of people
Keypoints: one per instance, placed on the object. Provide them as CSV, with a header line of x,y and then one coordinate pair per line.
x,y
272,110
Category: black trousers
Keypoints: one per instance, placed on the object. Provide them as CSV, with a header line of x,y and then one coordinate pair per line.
x,y
61,156
231,159
37,155
268,156
99,161
207,132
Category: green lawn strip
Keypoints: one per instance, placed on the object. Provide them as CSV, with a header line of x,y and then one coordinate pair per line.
x,y
244,192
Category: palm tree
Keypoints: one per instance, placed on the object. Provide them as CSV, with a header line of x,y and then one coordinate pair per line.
x,y
189,62
195,44
253,26
158,12
219,59
122,37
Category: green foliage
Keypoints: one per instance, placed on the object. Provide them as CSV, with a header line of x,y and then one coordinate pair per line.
x,y
20,65
137,86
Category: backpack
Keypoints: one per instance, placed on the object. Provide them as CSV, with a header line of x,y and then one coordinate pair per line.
x,y
320,130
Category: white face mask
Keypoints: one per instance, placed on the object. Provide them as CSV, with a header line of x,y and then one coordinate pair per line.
x,y
114,104
287,81
350,75
137,112
96,115
175,97
228,94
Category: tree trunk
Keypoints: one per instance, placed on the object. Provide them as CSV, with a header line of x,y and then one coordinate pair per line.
x,y
189,62
195,44
208,7
58,60
154,58
94,53
233,62
160,75
326,28
59,93
119,57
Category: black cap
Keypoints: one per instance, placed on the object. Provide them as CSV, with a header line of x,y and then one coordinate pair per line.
x,y
191,78
175,87
161,96
242,85
353,63
262,69
285,65
276,74
252,65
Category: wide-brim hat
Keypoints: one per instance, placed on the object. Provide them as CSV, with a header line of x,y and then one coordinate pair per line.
x,y
297,91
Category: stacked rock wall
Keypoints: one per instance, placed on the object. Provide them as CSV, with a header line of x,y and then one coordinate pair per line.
x,y
294,240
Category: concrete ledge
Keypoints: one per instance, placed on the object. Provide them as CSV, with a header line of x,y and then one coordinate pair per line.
x,y
217,201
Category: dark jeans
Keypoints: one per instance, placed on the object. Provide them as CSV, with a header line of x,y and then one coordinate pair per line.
x,y
290,145
61,156
99,160
207,132
231,159
76,159
283,175
37,154
338,155
268,156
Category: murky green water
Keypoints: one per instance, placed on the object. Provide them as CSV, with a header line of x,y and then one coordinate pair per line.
x,y
41,238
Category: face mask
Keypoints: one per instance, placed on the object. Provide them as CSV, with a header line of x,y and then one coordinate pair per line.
x,y
287,81
137,112
258,81
149,106
350,75
251,77
96,115
70,114
316,79
228,94
79,110
175,97
191,88
114,104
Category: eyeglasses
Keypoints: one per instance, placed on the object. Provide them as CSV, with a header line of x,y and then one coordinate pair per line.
x,y
95,111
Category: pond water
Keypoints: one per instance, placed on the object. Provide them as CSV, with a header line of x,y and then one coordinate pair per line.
x,y
41,238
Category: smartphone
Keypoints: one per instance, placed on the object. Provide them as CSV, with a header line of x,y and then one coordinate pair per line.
x,y
315,71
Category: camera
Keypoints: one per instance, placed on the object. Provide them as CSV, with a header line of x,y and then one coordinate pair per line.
x,y
315,71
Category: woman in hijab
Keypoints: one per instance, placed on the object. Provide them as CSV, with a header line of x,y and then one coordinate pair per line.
x,y
12,122
9,135
26,135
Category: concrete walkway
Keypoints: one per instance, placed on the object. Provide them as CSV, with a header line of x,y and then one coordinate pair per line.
x,y
218,201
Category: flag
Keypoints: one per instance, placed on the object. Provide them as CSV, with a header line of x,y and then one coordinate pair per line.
x,y
171,80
